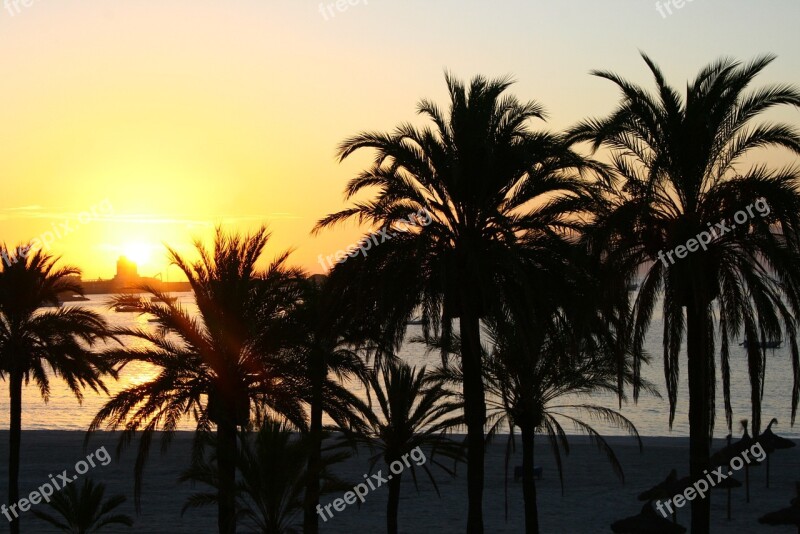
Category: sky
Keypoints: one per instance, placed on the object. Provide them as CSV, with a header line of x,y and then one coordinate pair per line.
x,y
127,125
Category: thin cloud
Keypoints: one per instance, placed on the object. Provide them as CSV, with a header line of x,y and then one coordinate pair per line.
x,y
32,207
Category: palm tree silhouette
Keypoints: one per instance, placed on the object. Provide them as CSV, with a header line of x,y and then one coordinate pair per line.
x,y
684,170
530,369
84,511
327,343
476,181
228,362
33,340
560,345
414,412
272,465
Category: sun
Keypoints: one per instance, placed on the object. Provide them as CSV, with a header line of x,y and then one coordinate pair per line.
x,y
138,253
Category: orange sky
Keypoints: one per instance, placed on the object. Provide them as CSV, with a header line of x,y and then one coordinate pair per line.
x,y
170,117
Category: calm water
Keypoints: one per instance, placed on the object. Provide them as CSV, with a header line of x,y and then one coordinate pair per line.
x,y
650,415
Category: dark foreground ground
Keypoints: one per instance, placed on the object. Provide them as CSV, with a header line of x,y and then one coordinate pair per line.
x,y
592,499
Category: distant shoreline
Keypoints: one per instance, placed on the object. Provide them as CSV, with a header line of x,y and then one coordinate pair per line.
x,y
582,439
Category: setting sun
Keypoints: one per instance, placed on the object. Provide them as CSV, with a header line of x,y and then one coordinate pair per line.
x,y
139,253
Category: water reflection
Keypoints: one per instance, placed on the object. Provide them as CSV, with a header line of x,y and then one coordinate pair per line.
x,y
650,416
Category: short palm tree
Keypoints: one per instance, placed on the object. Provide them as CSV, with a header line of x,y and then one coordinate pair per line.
x,y
414,413
687,176
83,511
272,467
475,182
38,344
536,376
221,367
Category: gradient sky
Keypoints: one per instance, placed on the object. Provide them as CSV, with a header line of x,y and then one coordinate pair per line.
x,y
181,115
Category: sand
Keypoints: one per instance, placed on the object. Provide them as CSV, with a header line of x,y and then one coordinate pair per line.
x,y
593,497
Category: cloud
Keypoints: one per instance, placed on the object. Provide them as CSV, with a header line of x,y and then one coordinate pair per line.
x,y
39,212
32,207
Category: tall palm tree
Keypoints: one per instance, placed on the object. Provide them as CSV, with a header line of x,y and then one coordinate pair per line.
x,y
220,367
414,412
38,344
475,182
83,511
328,346
687,171
273,470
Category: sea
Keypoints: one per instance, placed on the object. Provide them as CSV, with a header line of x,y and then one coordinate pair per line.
x,y
650,415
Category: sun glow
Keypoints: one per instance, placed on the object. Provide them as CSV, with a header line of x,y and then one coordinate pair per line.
x,y
139,253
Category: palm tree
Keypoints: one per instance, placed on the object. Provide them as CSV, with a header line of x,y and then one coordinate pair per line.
x,y
567,342
415,411
686,178
84,511
33,340
475,182
530,369
326,343
230,361
273,471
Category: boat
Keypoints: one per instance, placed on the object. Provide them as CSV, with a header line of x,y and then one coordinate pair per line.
x,y
128,304
72,298
774,344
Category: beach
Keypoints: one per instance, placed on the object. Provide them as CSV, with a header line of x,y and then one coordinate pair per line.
x,y
593,497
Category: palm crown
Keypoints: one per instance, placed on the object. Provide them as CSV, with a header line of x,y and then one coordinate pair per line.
x,y
33,340
414,412
481,177
272,464
219,368
84,510
483,180
686,170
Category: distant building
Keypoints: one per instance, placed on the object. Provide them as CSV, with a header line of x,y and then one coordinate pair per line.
x,y
128,280
127,272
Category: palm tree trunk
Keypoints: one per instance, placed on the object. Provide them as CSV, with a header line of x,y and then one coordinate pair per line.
x,y
310,516
15,438
528,482
475,415
767,470
226,470
697,331
393,505
747,482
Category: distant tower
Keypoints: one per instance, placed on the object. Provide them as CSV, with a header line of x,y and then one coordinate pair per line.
x,y
126,270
